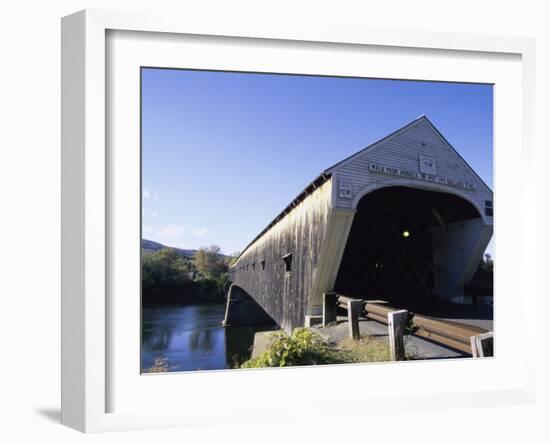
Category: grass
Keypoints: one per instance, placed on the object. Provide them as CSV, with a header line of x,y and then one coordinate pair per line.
x,y
365,350
370,349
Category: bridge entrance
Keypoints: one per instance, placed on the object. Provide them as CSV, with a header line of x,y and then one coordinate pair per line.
x,y
403,243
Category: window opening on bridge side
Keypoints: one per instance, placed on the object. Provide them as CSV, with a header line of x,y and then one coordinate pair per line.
x,y
254,266
287,259
488,208
262,262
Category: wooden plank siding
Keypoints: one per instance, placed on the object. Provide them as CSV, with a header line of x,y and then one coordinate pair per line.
x,y
283,294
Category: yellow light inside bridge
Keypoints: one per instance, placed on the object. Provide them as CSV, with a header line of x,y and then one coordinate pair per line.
x,y
406,233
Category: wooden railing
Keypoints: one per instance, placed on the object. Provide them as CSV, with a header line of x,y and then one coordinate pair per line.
x,y
469,339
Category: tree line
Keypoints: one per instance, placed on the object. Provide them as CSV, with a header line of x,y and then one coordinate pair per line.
x,y
168,277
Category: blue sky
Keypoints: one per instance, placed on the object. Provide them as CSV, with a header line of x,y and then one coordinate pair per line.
x,y
224,153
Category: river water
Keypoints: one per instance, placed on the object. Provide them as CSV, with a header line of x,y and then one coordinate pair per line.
x,y
191,337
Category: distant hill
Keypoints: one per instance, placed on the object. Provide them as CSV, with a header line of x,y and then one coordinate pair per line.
x,y
149,246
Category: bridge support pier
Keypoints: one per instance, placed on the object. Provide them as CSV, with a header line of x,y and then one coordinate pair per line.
x,y
241,309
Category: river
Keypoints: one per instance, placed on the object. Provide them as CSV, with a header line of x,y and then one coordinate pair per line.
x,y
191,337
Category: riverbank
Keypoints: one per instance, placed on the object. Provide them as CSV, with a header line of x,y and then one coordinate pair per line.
x,y
202,291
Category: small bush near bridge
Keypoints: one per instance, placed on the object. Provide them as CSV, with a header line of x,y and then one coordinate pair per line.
x,y
307,347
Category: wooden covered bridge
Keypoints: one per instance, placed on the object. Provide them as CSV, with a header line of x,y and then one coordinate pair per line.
x,y
404,218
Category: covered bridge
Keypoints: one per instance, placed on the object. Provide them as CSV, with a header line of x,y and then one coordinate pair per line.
x,y
404,217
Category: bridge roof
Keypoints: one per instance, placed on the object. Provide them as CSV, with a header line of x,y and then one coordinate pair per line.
x,y
398,131
381,140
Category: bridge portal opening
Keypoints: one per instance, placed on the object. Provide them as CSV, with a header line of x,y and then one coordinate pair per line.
x,y
406,244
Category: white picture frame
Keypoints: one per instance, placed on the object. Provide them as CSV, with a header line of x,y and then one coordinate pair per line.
x,y
86,204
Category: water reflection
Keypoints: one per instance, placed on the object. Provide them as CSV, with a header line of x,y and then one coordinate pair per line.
x,y
191,337
201,340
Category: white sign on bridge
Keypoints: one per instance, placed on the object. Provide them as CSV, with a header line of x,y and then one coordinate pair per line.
x,y
378,168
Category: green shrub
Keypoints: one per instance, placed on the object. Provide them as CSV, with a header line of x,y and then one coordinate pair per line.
x,y
303,347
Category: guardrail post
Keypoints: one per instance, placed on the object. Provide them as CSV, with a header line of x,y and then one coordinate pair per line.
x,y
482,345
355,309
330,304
397,323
